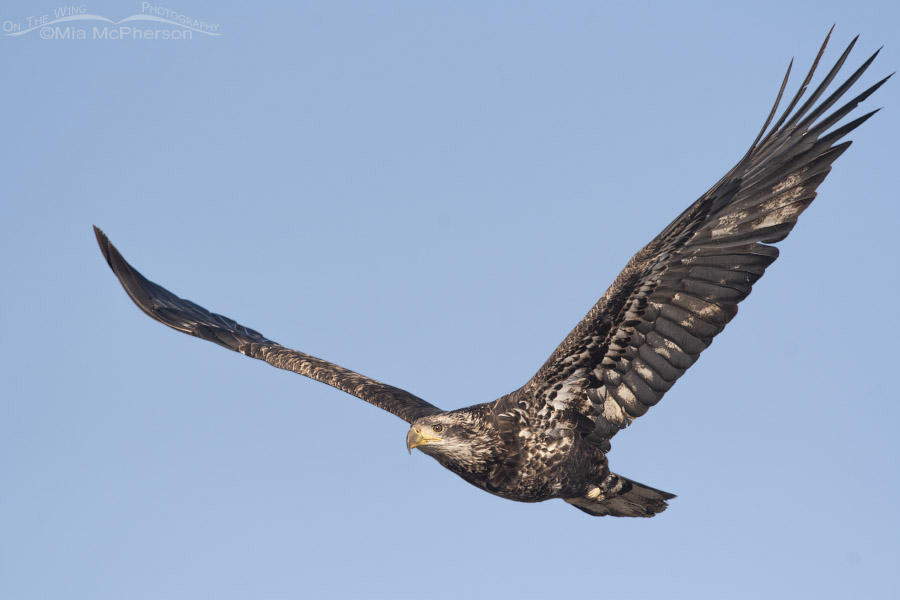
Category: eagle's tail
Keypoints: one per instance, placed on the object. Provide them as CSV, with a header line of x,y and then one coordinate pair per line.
x,y
621,497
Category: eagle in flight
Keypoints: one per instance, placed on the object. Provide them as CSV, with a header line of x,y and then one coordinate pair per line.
x,y
549,438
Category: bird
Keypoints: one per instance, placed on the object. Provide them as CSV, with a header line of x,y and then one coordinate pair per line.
x,y
550,438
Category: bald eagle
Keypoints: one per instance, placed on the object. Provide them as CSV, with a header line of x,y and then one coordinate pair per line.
x,y
549,438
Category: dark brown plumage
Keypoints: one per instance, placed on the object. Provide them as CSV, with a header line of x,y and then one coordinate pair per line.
x,y
549,438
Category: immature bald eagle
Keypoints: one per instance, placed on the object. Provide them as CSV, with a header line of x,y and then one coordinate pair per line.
x,y
549,438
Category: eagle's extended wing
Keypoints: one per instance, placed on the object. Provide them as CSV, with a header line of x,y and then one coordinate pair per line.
x,y
681,289
187,317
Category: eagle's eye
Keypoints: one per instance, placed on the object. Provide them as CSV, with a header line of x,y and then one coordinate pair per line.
x,y
437,428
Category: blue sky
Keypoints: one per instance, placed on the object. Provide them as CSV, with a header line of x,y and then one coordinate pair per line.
x,y
432,194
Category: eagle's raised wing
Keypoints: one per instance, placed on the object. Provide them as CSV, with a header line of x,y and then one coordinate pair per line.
x,y
680,290
187,317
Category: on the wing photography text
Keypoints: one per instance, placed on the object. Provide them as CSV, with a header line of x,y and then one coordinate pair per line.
x,y
75,22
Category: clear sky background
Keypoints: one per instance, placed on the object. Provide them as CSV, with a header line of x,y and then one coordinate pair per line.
x,y
432,194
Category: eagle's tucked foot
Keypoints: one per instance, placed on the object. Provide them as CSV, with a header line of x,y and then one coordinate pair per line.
x,y
622,497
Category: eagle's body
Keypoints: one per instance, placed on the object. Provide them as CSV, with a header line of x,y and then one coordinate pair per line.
x,y
506,455
549,438
505,448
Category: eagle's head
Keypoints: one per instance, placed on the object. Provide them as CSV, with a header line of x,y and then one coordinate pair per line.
x,y
458,440
434,434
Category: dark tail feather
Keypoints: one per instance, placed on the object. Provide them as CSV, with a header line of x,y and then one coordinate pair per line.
x,y
622,497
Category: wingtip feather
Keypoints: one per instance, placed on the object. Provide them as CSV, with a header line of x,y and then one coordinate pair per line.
x,y
102,241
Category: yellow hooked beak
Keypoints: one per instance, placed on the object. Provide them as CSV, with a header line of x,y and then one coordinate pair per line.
x,y
416,438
